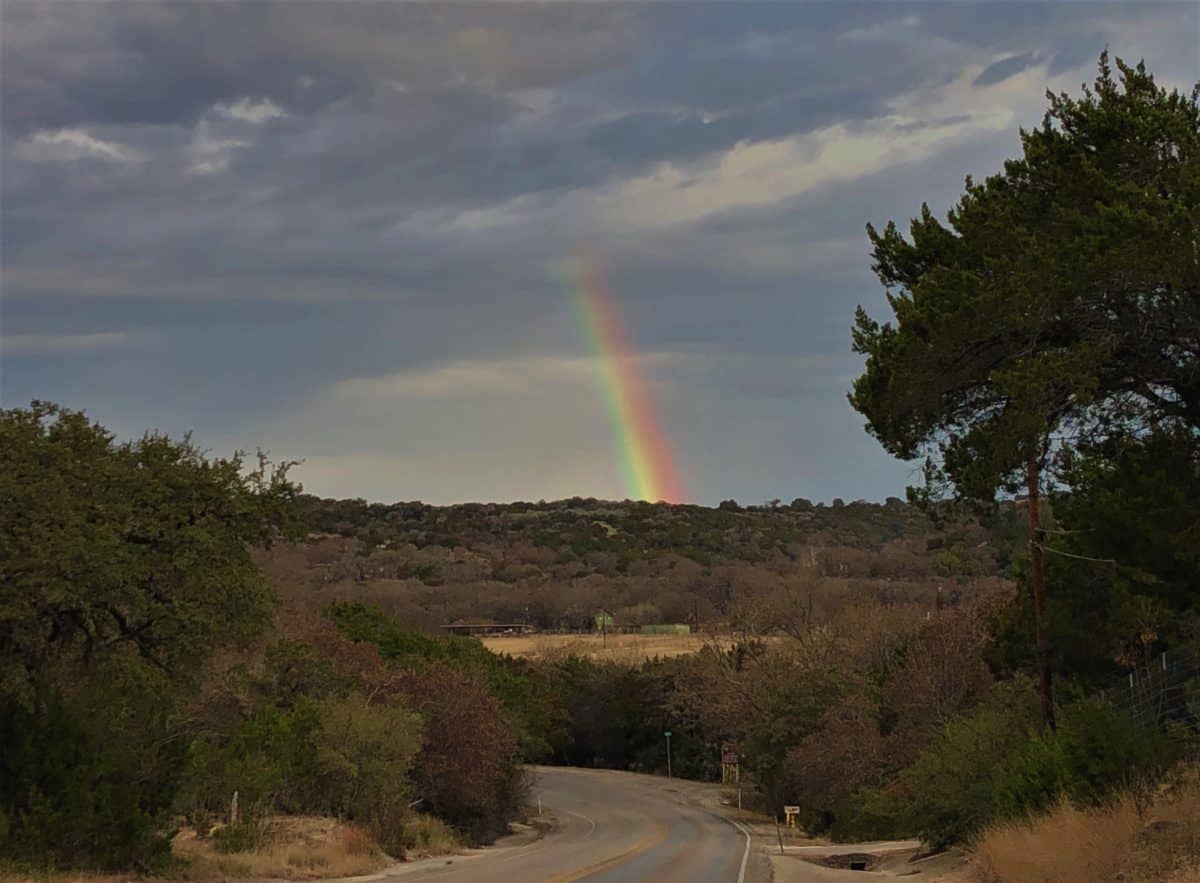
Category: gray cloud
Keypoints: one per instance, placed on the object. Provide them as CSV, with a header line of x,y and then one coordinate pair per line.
x,y
1001,70
215,213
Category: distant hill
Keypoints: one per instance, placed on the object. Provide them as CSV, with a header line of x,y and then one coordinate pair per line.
x,y
554,564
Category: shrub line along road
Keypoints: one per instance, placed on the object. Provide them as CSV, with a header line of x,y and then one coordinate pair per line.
x,y
613,827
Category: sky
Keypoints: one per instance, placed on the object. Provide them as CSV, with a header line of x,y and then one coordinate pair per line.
x,y
331,230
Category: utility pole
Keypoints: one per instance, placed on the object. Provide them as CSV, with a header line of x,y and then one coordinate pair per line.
x,y
668,735
1037,560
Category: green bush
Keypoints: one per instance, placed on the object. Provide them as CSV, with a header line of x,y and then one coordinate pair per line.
x,y
950,791
344,757
122,567
75,795
267,760
1096,750
993,763
509,681
363,755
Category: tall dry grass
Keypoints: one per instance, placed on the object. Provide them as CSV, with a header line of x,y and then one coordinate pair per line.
x,y
1066,845
293,848
1156,840
300,848
425,836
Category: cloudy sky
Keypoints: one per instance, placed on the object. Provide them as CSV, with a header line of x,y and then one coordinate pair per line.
x,y
332,229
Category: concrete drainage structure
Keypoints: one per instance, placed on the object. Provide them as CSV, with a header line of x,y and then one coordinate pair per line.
x,y
852,861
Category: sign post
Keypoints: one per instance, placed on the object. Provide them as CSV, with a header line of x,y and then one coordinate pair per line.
x,y
668,735
791,812
730,767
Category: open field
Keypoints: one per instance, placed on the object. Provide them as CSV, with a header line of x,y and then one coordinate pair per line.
x,y
628,648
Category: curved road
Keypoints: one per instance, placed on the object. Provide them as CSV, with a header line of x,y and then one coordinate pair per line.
x,y
613,828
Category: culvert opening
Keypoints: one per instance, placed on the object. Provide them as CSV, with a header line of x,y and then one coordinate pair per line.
x,y
851,862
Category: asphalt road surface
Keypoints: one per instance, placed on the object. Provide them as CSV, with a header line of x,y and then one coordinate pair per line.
x,y
612,828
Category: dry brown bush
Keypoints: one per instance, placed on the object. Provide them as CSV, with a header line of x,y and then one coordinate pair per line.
x,y
297,848
1113,844
426,835
1066,845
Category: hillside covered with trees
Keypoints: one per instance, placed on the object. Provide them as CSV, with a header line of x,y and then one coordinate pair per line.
x,y
553,565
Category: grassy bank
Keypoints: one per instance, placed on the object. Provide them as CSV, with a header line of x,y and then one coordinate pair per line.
x,y
1150,837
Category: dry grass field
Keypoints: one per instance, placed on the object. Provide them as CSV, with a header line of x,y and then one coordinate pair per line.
x,y
624,648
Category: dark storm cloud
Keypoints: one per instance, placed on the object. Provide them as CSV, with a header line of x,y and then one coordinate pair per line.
x,y
1001,70
215,213
69,63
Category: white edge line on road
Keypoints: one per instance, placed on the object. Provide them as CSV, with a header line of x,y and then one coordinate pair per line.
x,y
745,855
591,830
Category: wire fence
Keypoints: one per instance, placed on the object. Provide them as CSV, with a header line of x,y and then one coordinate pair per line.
x,y
1163,694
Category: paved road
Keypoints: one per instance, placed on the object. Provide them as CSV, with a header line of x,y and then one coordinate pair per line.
x,y
614,828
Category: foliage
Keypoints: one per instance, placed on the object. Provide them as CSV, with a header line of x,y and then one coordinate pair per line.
x,y
1095,751
240,836
467,771
1134,509
138,547
1057,309
909,685
991,764
951,790
506,680
122,565
307,740
1063,294
74,794
363,755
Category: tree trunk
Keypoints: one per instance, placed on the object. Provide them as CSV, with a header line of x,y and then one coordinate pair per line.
x,y
1037,556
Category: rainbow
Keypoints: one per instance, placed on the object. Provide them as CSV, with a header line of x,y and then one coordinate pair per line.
x,y
645,453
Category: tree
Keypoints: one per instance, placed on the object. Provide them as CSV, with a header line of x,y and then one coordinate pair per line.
x,y
1059,306
467,769
1131,552
112,547
122,565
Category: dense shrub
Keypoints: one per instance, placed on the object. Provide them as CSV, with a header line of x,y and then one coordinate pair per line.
x,y
1096,750
363,754
122,567
472,705
509,681
992,763
268,759
950,791
75,795
308,741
